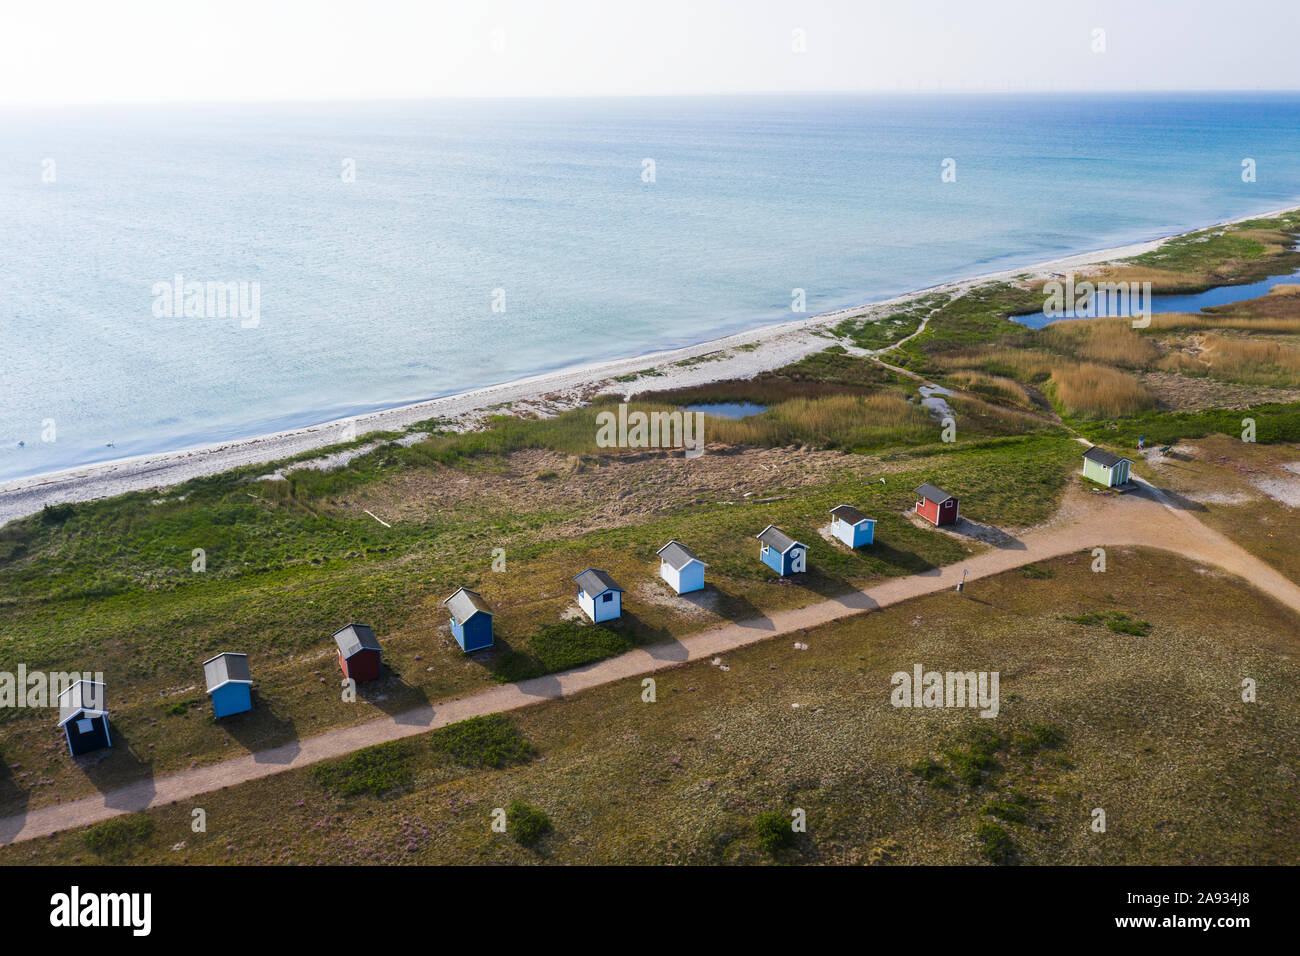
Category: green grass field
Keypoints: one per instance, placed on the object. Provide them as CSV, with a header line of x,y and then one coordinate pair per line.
x,y
1150,728
121,598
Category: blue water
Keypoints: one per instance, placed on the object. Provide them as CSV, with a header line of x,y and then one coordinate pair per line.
x,y
380,291
1219,295
727,409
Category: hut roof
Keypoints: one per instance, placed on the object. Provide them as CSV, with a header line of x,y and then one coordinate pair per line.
x,y
1104,458
83,697
849,513
774,537
465,603
594,581
354,638
225,669
677,555
929,491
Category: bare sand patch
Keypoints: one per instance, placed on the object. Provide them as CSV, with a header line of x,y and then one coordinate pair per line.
x,y
702,603
1285,490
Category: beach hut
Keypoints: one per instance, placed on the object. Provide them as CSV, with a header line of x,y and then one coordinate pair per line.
x,y
851,526
359,653
83,718
1104,468
680,567
229,684
780,552
471,620
936,505
599,595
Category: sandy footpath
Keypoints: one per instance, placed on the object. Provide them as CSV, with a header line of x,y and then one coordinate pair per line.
x,y
745,355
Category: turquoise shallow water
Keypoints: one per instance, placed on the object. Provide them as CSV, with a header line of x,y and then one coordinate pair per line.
x,y
380,291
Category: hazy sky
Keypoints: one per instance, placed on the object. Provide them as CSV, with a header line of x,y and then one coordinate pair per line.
x,y
167,50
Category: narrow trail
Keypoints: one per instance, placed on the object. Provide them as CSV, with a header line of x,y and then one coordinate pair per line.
x,y
1146,517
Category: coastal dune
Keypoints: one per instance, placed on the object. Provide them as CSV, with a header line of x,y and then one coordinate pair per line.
x,y
744,354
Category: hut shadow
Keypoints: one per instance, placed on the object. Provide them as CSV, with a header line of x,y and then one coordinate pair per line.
x,y
1167,497
266,734
831,588
988,534
856,601
119,773
640,631
396,698
909,561
546,687
14,800
739,610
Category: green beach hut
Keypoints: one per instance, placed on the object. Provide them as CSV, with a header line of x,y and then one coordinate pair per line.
x,y
1105,468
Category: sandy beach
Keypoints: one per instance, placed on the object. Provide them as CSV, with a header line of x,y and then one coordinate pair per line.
x,y
742,355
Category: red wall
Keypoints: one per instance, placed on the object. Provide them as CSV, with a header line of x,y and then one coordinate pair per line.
x,y
939,515
361,666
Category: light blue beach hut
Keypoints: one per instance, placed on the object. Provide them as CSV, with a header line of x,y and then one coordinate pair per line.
x,y
599,595
683,571
851,526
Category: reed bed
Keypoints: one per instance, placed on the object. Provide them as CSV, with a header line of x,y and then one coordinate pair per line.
x,y
1251,361
1111,341
995,387
1098,391
1278,325
833,421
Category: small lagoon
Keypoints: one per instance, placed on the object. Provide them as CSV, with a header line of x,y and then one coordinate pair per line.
x,y
727,409
1219,295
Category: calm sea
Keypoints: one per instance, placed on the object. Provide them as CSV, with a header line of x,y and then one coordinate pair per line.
x,y
388,288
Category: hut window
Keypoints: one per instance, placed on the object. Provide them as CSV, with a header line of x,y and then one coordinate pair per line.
x,y
85,726
607,596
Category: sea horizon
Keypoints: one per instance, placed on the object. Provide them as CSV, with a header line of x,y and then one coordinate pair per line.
x,y
555,217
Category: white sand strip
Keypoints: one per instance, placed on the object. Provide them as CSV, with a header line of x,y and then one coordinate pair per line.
x,y
746,354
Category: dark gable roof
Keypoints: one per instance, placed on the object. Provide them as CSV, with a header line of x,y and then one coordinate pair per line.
x,y
225,668
465,603
937,495
1104,458
774,537
593,581
848,513
677,555
354,638
83,696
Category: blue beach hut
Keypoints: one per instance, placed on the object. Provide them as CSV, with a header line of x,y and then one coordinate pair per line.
x,y
230,685
471,620
782,553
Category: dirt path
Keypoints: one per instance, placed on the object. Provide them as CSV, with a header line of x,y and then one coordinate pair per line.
x,y
1147,517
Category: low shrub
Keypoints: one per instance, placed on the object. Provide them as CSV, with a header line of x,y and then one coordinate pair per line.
x,y
526,824
772,828
376,771
490,741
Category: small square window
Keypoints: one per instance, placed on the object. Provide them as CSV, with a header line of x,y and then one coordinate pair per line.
x,y
85,726
607,596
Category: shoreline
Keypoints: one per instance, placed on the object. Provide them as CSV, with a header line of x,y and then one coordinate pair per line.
x,y
743,355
